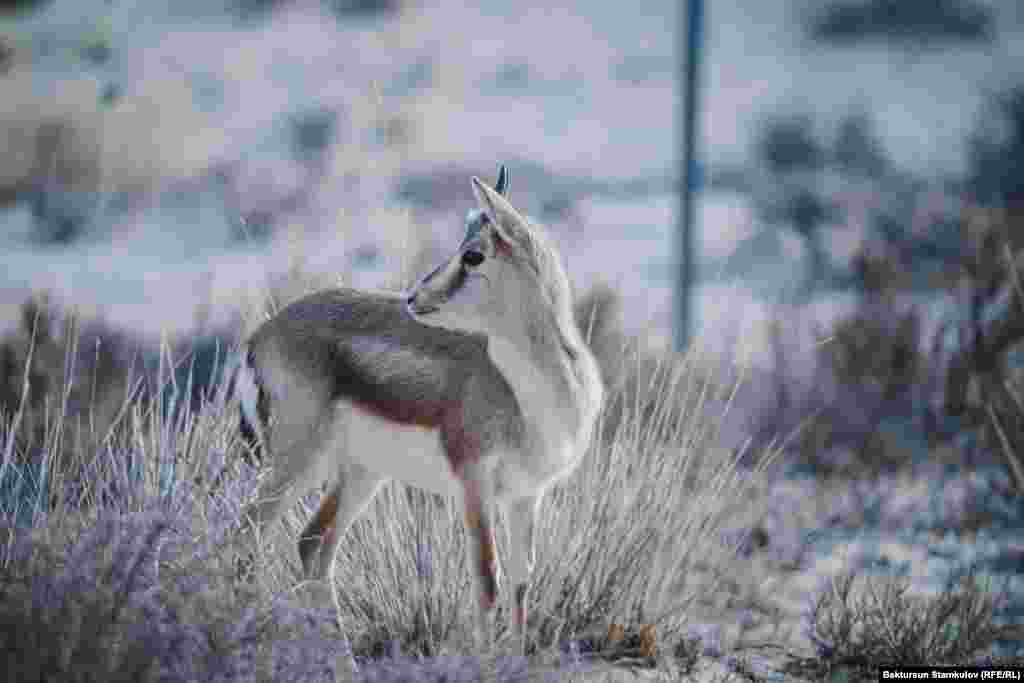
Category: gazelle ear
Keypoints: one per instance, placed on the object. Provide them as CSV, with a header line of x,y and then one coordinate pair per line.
x,y
505,220
501,187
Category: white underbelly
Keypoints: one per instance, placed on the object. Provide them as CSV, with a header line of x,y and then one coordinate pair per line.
x,y
414,455
406,453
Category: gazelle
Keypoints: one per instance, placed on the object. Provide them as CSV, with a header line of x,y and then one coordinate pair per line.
x,y
476,384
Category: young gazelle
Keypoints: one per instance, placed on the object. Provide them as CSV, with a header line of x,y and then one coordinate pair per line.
x,y
476,384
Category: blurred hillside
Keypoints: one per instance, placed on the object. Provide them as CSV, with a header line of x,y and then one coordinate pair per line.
x,y
203,148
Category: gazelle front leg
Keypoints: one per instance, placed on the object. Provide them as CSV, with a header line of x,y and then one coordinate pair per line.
x,y
482,556
521,517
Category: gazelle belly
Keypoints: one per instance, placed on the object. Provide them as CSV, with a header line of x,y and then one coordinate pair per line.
x,y
406,452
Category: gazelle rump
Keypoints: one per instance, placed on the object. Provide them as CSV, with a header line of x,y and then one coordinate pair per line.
x,y
476,384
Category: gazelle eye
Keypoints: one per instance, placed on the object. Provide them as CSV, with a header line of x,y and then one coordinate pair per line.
x,y
472,258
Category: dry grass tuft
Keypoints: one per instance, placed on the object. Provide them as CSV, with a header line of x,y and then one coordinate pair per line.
x,y
859,622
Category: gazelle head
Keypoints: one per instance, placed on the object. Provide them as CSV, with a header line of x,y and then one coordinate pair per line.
x,y
505,279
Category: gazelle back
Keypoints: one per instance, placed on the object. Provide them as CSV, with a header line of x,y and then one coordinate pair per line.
x,y
476,384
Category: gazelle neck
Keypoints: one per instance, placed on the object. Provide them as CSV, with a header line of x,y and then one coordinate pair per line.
x,y
556,382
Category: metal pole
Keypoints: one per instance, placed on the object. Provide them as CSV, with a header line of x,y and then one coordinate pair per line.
x,y
691,25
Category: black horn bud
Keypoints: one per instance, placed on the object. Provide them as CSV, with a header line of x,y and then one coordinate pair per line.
x,y
501,187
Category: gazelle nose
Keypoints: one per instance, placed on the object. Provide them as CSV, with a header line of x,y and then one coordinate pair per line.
x,y
410,304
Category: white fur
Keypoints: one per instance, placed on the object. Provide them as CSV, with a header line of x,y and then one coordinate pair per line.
x,y
414,456
551,439
408,453
554,428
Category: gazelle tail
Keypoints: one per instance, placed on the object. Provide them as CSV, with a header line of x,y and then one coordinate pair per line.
x,y
253,403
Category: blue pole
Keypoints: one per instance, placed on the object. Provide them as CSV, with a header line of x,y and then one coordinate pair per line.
x,y
691,25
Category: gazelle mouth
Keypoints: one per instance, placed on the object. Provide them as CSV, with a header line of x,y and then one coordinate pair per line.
x,y
420,310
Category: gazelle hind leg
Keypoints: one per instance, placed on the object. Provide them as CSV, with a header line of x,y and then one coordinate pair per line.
x,y
322,536
318,530
521,518
483,557
345,502
279,490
